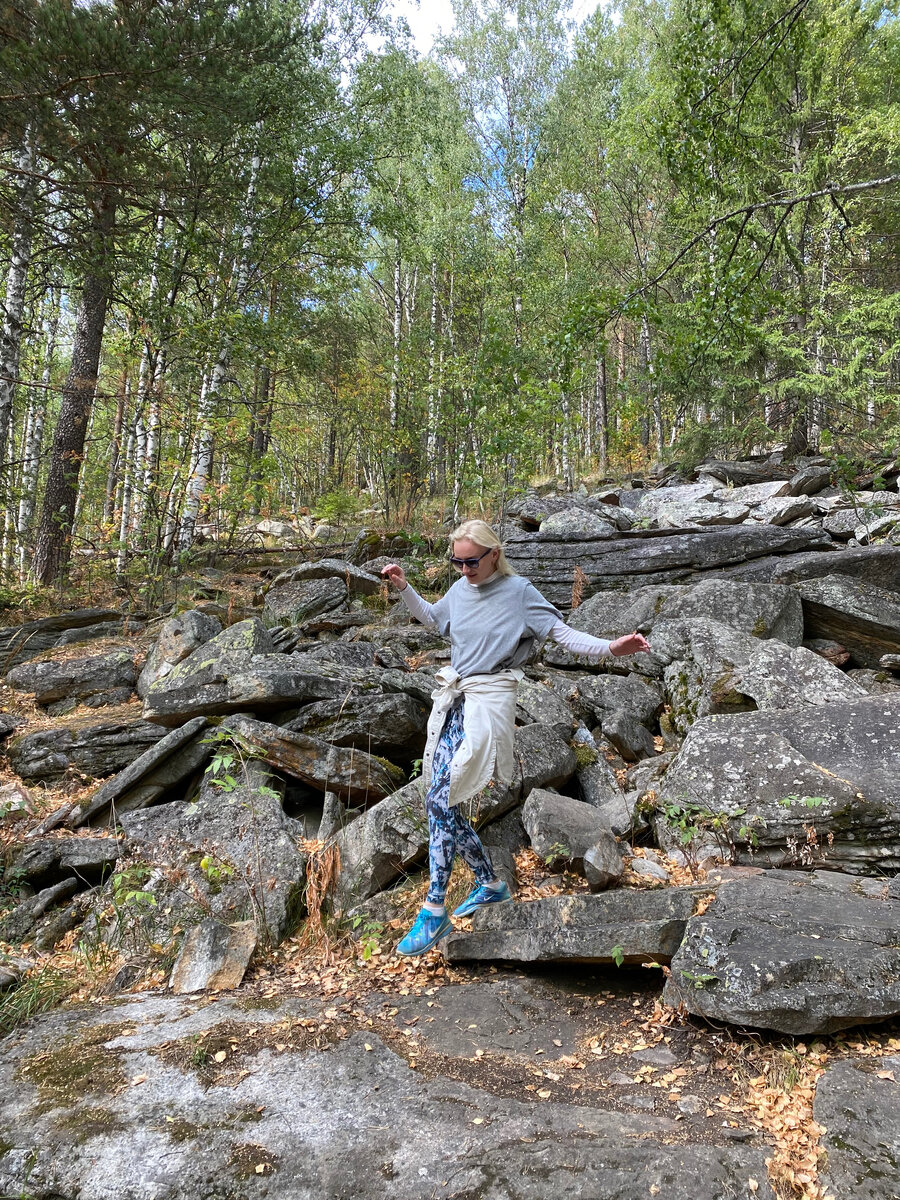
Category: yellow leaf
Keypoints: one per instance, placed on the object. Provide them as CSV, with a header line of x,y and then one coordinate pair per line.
x,y
220,1055
260,1168
545,1094
368,1047
478,1121
138,1079
885,1075
654,1189
752,1185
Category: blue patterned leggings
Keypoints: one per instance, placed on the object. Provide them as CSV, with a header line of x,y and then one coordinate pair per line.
x,y
449,833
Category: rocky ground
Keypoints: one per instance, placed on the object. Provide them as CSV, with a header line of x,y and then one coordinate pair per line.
x,y
704,842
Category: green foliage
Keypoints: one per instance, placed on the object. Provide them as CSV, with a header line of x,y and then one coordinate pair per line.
x,y
806,801
617,954
42,989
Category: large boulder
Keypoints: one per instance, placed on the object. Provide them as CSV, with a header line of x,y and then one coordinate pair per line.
x,y
390,726
806,785
857,1104
104,677
293,603
178,637
635,561
576,525
19,643
627,925
872,564
86,745
780,676
799,953
351,774
228,854
356,581
861,616
561,829
172,760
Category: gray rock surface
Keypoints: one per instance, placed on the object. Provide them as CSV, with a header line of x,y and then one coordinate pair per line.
x,y
861,616
802,786
19,643
391,726
253,870
858,1103
178,637
76,678
633,561
780,676
95,747
347,1118
561,829
603,863
576,525
293,603
633,925
213,957
358,582
799,953
879,565
172,759
354,775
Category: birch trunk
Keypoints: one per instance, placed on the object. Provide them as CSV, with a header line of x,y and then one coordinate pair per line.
x,y
14,300
601,413
34,439
213,384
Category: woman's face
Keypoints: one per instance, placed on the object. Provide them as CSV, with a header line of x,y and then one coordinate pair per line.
x,y
466,548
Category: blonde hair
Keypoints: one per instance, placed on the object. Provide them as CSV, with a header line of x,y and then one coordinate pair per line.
x,y
481,534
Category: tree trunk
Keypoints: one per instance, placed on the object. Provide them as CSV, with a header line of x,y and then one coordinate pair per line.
x,y
14,301
601,413
34,439
54,540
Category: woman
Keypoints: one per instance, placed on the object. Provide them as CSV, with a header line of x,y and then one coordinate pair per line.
x,y
493,618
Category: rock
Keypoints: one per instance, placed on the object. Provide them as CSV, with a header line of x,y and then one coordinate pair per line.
x,y
178,637
742,474
632,740
561,829
76,678
213,957
648,869
174,758
831,651
543,759
754,494
872,564
763,610
296,602
890,662
84,744
538,702
639,561
90,633
701,513
576,525
863,520
783,509
352,774
779,676
391,726
20,924
598,786
15,802
626,925
264,1107
333,817
603,696
281,530
19,643
43,863
198,684
356,581
227,854
603,865
861,616
809,480
875,683
833,769
703,659
856,1103
798,953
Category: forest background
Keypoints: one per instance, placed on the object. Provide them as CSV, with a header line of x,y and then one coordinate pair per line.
x,y
263,257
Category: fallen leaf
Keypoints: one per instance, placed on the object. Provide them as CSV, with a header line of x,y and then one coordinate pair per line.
x,y
885,1075
478,1121
545,1094
138,1079
368,1047
752,1185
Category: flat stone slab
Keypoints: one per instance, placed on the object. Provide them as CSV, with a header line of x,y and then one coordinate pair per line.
x,y
19,643
800,953
861,616
858,1103
110,1103
629,925
149,763
92,746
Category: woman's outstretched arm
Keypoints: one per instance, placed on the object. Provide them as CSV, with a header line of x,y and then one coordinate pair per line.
x,y
419,608
596,648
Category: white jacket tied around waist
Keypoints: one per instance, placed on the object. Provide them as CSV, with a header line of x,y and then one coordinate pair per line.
x,y
489,721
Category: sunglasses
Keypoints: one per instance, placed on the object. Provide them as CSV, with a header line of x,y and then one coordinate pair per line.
x,y
471,563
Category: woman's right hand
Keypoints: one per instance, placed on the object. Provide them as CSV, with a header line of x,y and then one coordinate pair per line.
x,y
394,572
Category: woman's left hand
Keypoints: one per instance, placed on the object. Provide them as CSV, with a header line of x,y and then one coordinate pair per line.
x,y
631,643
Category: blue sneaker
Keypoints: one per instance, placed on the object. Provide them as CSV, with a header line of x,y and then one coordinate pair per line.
x,y
481,896
428,929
